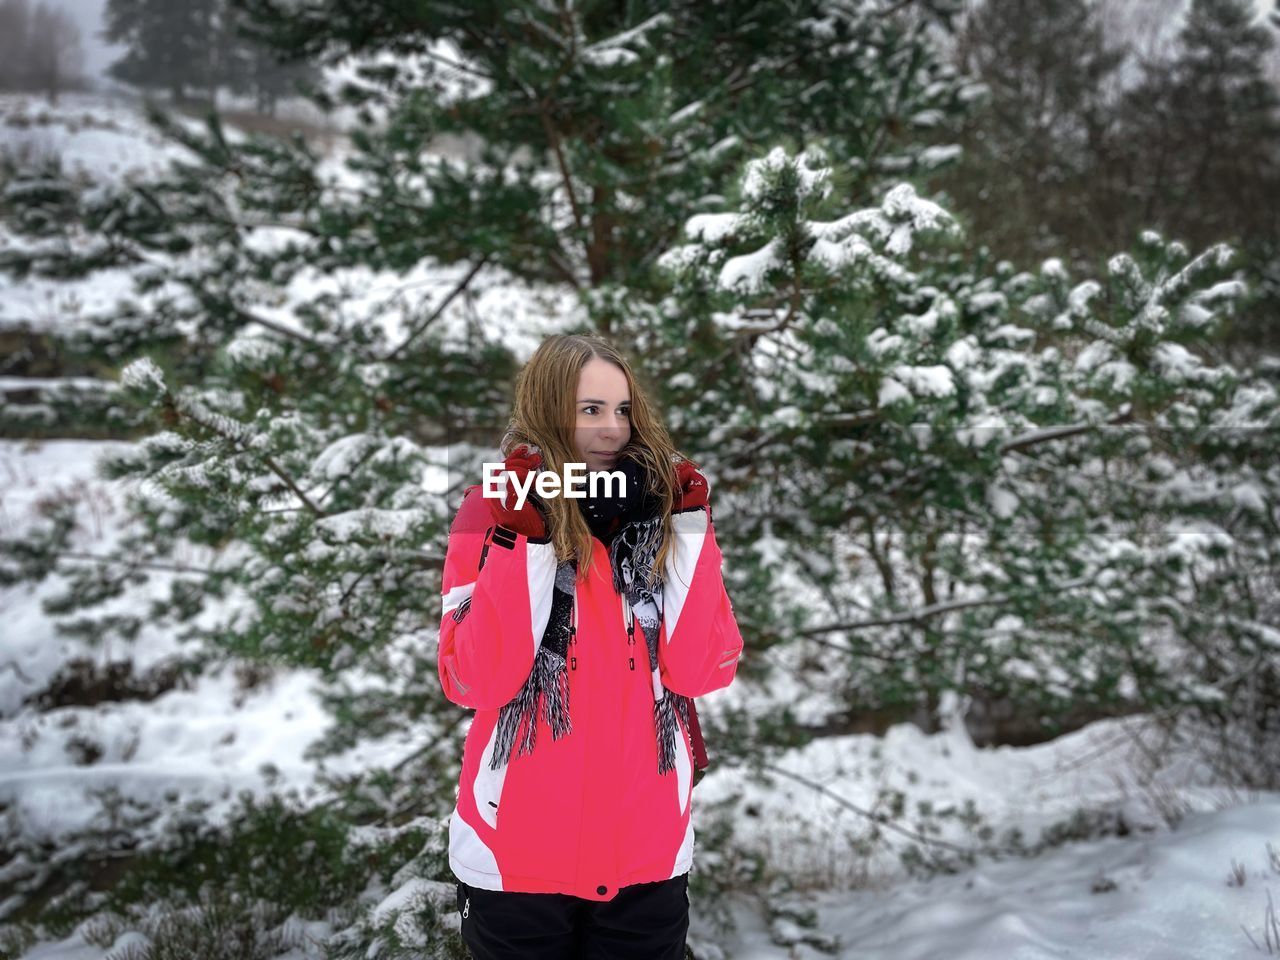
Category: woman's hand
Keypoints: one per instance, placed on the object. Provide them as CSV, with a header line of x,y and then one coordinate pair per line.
x,y
692,489
527,520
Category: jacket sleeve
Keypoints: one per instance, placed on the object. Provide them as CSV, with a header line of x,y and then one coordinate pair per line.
x,y
496,588
701,646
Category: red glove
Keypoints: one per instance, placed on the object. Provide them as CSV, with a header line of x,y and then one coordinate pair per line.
x,y
692,489
527,520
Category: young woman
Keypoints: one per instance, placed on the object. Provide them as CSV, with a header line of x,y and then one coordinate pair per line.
x,y
578,630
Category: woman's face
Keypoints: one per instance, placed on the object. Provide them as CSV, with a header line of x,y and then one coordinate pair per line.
x,y
603,414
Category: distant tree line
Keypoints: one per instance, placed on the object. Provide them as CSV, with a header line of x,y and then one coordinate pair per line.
x,y
196,47
39,49
1101,121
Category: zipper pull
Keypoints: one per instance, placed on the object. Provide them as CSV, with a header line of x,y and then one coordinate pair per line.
x,y
631,631
573,632
466,907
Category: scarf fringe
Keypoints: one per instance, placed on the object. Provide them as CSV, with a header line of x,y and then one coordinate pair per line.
x,y
665,719
633,554
549,683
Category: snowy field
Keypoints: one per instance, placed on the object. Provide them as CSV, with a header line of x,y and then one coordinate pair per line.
x,y
1196,891
1172,895
107,139
95,136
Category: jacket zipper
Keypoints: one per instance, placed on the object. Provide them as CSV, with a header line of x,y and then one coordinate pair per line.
x,y
466,907
629,616
573,634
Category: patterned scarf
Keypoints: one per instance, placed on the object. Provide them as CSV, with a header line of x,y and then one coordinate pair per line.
x,y
631,527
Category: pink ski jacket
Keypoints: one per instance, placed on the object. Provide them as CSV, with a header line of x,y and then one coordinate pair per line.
x,y
589,813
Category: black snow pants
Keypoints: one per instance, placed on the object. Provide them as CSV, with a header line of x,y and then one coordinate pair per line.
x,y
645,921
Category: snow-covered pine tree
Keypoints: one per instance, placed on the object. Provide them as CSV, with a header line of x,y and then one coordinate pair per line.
x,y
1002,482
1199,146
933,473
302,376
168,46
244,228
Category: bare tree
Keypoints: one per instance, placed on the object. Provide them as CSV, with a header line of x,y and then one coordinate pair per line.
x,y
39,49
1029,151
55,52
15,25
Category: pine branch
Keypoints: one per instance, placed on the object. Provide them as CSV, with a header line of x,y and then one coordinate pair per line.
x,y
215,424
143,564
288,481
246,317
453,64
1034,437
920,614
1021,442
458,289
862,812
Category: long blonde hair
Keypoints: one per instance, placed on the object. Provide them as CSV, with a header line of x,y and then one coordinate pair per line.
x,y
544,413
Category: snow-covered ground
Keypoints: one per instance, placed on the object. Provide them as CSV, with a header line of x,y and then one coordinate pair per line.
x,y
102,137
208,741
1156,891
1196,890
107,139
1172,895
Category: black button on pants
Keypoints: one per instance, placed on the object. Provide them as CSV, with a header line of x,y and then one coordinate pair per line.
x,y
645,921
